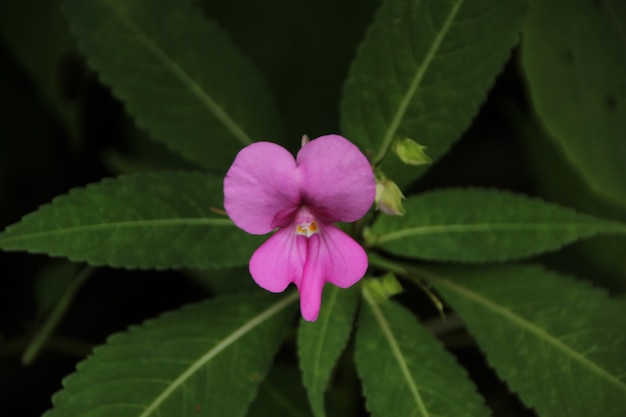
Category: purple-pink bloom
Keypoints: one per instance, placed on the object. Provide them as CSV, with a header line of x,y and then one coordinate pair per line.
x,y
329,181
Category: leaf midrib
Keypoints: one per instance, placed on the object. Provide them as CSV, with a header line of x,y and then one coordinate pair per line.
x,y
397,353
117,225
415,83
491,227
196,89
540,333
225,343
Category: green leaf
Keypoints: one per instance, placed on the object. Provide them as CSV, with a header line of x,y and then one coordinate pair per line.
x,y
574,57
179,75
423,71
406,371
205,359
320,343
139,221
556,341
477,225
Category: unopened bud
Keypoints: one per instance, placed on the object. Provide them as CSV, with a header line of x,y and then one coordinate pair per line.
x,y
389,197
410,152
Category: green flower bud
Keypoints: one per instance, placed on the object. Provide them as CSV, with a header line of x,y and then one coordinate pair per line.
x,y
389,197
410,152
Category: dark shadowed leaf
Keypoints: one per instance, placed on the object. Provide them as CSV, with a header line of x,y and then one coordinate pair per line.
x,y
179,75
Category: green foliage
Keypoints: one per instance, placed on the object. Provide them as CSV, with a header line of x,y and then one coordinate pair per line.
x,y
320,343
422,72
207,358
558,342
574,61
405,371
179,75
475,225
140,221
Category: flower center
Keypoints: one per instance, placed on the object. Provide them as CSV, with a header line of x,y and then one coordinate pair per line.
x,y
305,222
306,229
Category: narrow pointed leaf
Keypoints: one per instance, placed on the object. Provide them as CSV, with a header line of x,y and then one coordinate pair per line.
x,y
423,71
179,75
406,371
477,225
556,341
205,359
139,221
320,343
574,58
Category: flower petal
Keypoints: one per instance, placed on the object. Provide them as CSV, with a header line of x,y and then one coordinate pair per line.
x,y
262,182
334,257
279,261
337,179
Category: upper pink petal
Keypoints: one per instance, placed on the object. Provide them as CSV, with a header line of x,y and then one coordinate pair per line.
x,y
262,182
336,179
334,257
279,261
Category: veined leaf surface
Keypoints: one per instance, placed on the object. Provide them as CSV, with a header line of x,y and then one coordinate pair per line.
x,y
422,72
140,221
179,75
556,341
406,371
478,225
203,359
320,343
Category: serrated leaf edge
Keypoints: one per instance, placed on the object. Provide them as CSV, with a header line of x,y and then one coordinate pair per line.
x,y
530,327
397,353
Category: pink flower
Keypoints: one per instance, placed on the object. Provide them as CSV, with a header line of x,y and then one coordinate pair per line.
x,y
330,181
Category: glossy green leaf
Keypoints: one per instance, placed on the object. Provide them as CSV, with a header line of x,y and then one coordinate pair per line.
x,y
205,359
139,221
179,75
423,71
574,58
406,371
556,341
320,343
477,225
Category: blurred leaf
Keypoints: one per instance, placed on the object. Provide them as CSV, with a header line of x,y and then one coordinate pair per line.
x,y
574,57
179,75
280,395
423,71
139,221
224,280
37,35
205,359
601,258
320,343
51,281
406,371
62,304
476,225
558,342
